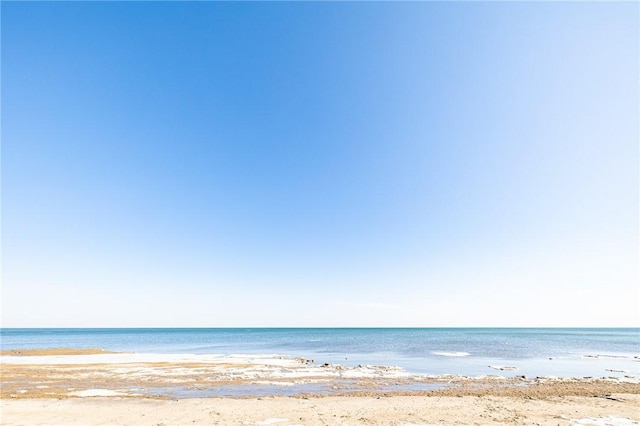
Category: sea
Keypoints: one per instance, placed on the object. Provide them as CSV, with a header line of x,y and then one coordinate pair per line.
x,y
530,352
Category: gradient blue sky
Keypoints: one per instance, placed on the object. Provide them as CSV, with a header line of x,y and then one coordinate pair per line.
x,y
320,164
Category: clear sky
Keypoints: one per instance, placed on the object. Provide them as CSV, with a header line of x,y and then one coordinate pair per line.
x,y
320,164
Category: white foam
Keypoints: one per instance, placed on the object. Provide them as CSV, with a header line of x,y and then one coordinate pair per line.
x,y
619,356
453,354
503,368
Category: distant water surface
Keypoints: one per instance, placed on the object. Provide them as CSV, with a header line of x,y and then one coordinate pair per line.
x,y
470,351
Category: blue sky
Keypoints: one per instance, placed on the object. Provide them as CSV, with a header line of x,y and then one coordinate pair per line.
x,y
320,164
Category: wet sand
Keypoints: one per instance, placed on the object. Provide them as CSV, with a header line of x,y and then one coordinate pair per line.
x,y
54,351
66,386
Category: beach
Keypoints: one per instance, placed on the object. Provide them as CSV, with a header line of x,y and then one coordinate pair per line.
x,y
91,386
320,213
617,409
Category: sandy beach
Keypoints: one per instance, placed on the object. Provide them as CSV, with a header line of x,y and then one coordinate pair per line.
x,y
71,387
617,409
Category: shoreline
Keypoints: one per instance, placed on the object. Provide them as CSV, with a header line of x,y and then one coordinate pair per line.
x,y
92,387
78,373
55,351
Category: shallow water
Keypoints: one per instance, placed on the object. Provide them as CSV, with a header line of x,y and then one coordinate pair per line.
x,y
263,390
423,350
253,390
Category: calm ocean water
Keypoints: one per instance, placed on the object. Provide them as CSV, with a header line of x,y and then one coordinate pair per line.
x,y
470,351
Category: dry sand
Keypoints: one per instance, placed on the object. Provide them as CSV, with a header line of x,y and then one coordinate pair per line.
x,y
396,410
95,388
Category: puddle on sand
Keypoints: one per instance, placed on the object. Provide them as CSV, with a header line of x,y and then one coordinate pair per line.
x,y
239,390
260,390
414,387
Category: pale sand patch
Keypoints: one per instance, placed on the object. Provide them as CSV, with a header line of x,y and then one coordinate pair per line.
x,y
271,421
397,410
95,392
605,421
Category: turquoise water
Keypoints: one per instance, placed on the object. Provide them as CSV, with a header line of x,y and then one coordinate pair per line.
x,y
423,350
